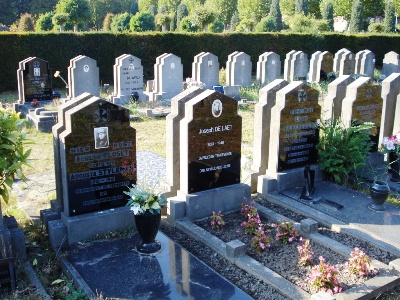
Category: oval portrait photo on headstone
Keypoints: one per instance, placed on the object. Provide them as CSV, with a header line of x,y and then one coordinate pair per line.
x,y
216,108
101,137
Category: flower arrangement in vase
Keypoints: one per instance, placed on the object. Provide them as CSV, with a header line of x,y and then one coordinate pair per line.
x,y
391,146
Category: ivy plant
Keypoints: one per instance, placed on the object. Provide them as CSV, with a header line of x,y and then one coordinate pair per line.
x,y
341,150
12,155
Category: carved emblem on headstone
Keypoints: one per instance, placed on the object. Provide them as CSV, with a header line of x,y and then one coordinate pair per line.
x,y
36,68
100,115
368,93
302,96
86,68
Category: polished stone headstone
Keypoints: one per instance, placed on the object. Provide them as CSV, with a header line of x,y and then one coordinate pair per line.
x,y
205,69
84,77
390,92
98,156
210,141
294,127
115,270
128,78
172,136
363,103
37,83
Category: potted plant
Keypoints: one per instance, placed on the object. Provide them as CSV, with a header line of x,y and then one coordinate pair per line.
x,y
391,146
146,206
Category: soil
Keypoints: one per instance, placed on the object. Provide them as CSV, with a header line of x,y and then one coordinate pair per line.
x,y
279,257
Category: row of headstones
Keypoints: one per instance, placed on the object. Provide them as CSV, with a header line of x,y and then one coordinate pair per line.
x,y
34,78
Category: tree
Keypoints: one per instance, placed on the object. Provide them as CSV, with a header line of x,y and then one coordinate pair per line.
x,y
186,25
266,24
107,22
181,12
121,22
8,12
142,21
223,8
134,7
287,7
390,17
253,9
45,22
26,23
41,6
163,9
202,16
235,20
327,13
371,8
276,15
144,5
152,10
216,26
78,10
60,20
301,7
356,20
342,8
162,19
314,9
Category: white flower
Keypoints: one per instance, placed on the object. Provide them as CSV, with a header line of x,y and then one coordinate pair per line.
x,y
136,208
390,145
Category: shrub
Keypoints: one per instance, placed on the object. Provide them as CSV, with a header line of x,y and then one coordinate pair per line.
x,y
120,22
142,21
187,25
341,150
285,232
26,23
306,255
306,24
261,241
376,27
107,22
45,22
216,26
12,155
217,221
358,262
323,277
266,24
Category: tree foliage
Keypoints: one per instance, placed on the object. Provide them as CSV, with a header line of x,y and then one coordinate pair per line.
x,y
181,12
357,17
186,25
120,22
327,13
301,7
107,22
390,17
306,24
287,7
144,5
216,26
142,21
253,9
235,20
276,15
45,22
266,24
224,9
78,10
26,23
202,16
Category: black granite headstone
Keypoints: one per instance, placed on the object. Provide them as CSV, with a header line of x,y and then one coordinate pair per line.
x,y
214,131
299,131
99,160
37,80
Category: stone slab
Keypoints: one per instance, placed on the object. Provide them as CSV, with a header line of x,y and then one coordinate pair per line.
x,y
114,269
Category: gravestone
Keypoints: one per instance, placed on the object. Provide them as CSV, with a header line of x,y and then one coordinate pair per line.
x,y
396,123
240,70
98,157
229,66
70,82
262,121
128,79
299,66
391,64
321,66
37,83
294,128
172,136
365,63
337,59
390,92
346,63
363,103
20,79
268,67
334,98
287,64
210,155
169,76
205,69
84,76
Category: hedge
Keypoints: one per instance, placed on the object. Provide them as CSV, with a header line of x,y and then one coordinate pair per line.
x,y
59,48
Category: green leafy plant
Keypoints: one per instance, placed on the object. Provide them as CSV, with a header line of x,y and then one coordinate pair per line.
x,y
217,221
358,262
285,232
305,252
143,200
12,154
252,219
323,277
261,241
341,150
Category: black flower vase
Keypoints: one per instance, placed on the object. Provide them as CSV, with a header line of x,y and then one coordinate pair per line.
x,y
147,226
379,191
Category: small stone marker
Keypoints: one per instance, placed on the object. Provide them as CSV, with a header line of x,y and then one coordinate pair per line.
x,y
337,59
98,156
321,64
391,64
299,66
268,67
239,70
210,143
169,76
294,128
84,76
333,100
347,63
205,69
37,83
365,63
128,78
363,103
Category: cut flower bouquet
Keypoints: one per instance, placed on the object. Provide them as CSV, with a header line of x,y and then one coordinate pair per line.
x,y
143,200
391,144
